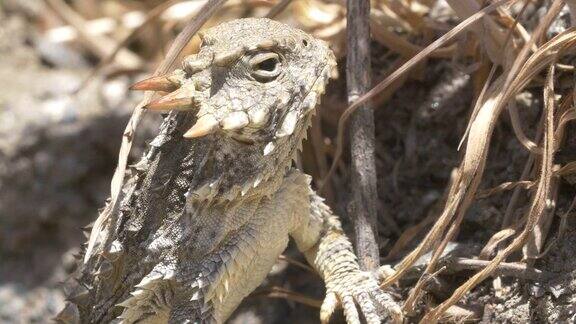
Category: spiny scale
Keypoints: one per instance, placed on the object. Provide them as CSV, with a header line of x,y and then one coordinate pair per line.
x,y
79,295
235,120
69,314
205,125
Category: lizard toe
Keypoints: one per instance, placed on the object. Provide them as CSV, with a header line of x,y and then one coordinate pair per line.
x,y
368,308
385,302
328,307
350,310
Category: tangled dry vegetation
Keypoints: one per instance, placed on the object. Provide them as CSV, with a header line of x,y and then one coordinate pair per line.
x,y
453,81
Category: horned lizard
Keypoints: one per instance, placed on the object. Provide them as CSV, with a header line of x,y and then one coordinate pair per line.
x,y
205,217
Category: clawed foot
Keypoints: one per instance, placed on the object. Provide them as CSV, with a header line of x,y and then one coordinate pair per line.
x,y
358,288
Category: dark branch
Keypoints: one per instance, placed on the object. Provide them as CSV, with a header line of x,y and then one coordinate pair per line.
x,y
363,208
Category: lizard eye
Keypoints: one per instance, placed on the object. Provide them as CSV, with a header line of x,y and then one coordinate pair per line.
x,y
265,67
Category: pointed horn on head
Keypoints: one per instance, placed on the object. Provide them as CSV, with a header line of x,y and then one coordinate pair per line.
x,y
181,99
157,83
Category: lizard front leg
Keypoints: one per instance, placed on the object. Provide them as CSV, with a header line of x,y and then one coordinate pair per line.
x,y
326,247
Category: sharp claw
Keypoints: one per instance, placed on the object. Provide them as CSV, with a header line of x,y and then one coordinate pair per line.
x,y
205,125
158,83
361,294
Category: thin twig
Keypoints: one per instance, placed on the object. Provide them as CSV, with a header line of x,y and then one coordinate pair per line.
x,y
543,191
511,207
297,263
418,290
506,269
519,131
278,8
362,137
279,292
495,240
505,187
492,36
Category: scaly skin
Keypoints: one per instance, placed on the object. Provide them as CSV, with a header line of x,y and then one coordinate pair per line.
x,y
205,217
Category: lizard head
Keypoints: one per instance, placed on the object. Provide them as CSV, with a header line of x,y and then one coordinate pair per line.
x,y
254,80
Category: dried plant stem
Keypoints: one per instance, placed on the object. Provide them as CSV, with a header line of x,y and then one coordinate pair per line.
x,y
511,207
505,187
539,205
510,269
399,72
472,166
519,132
493,37
278,8
362,138
401,45
432,265
494,241
418,290
279,292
